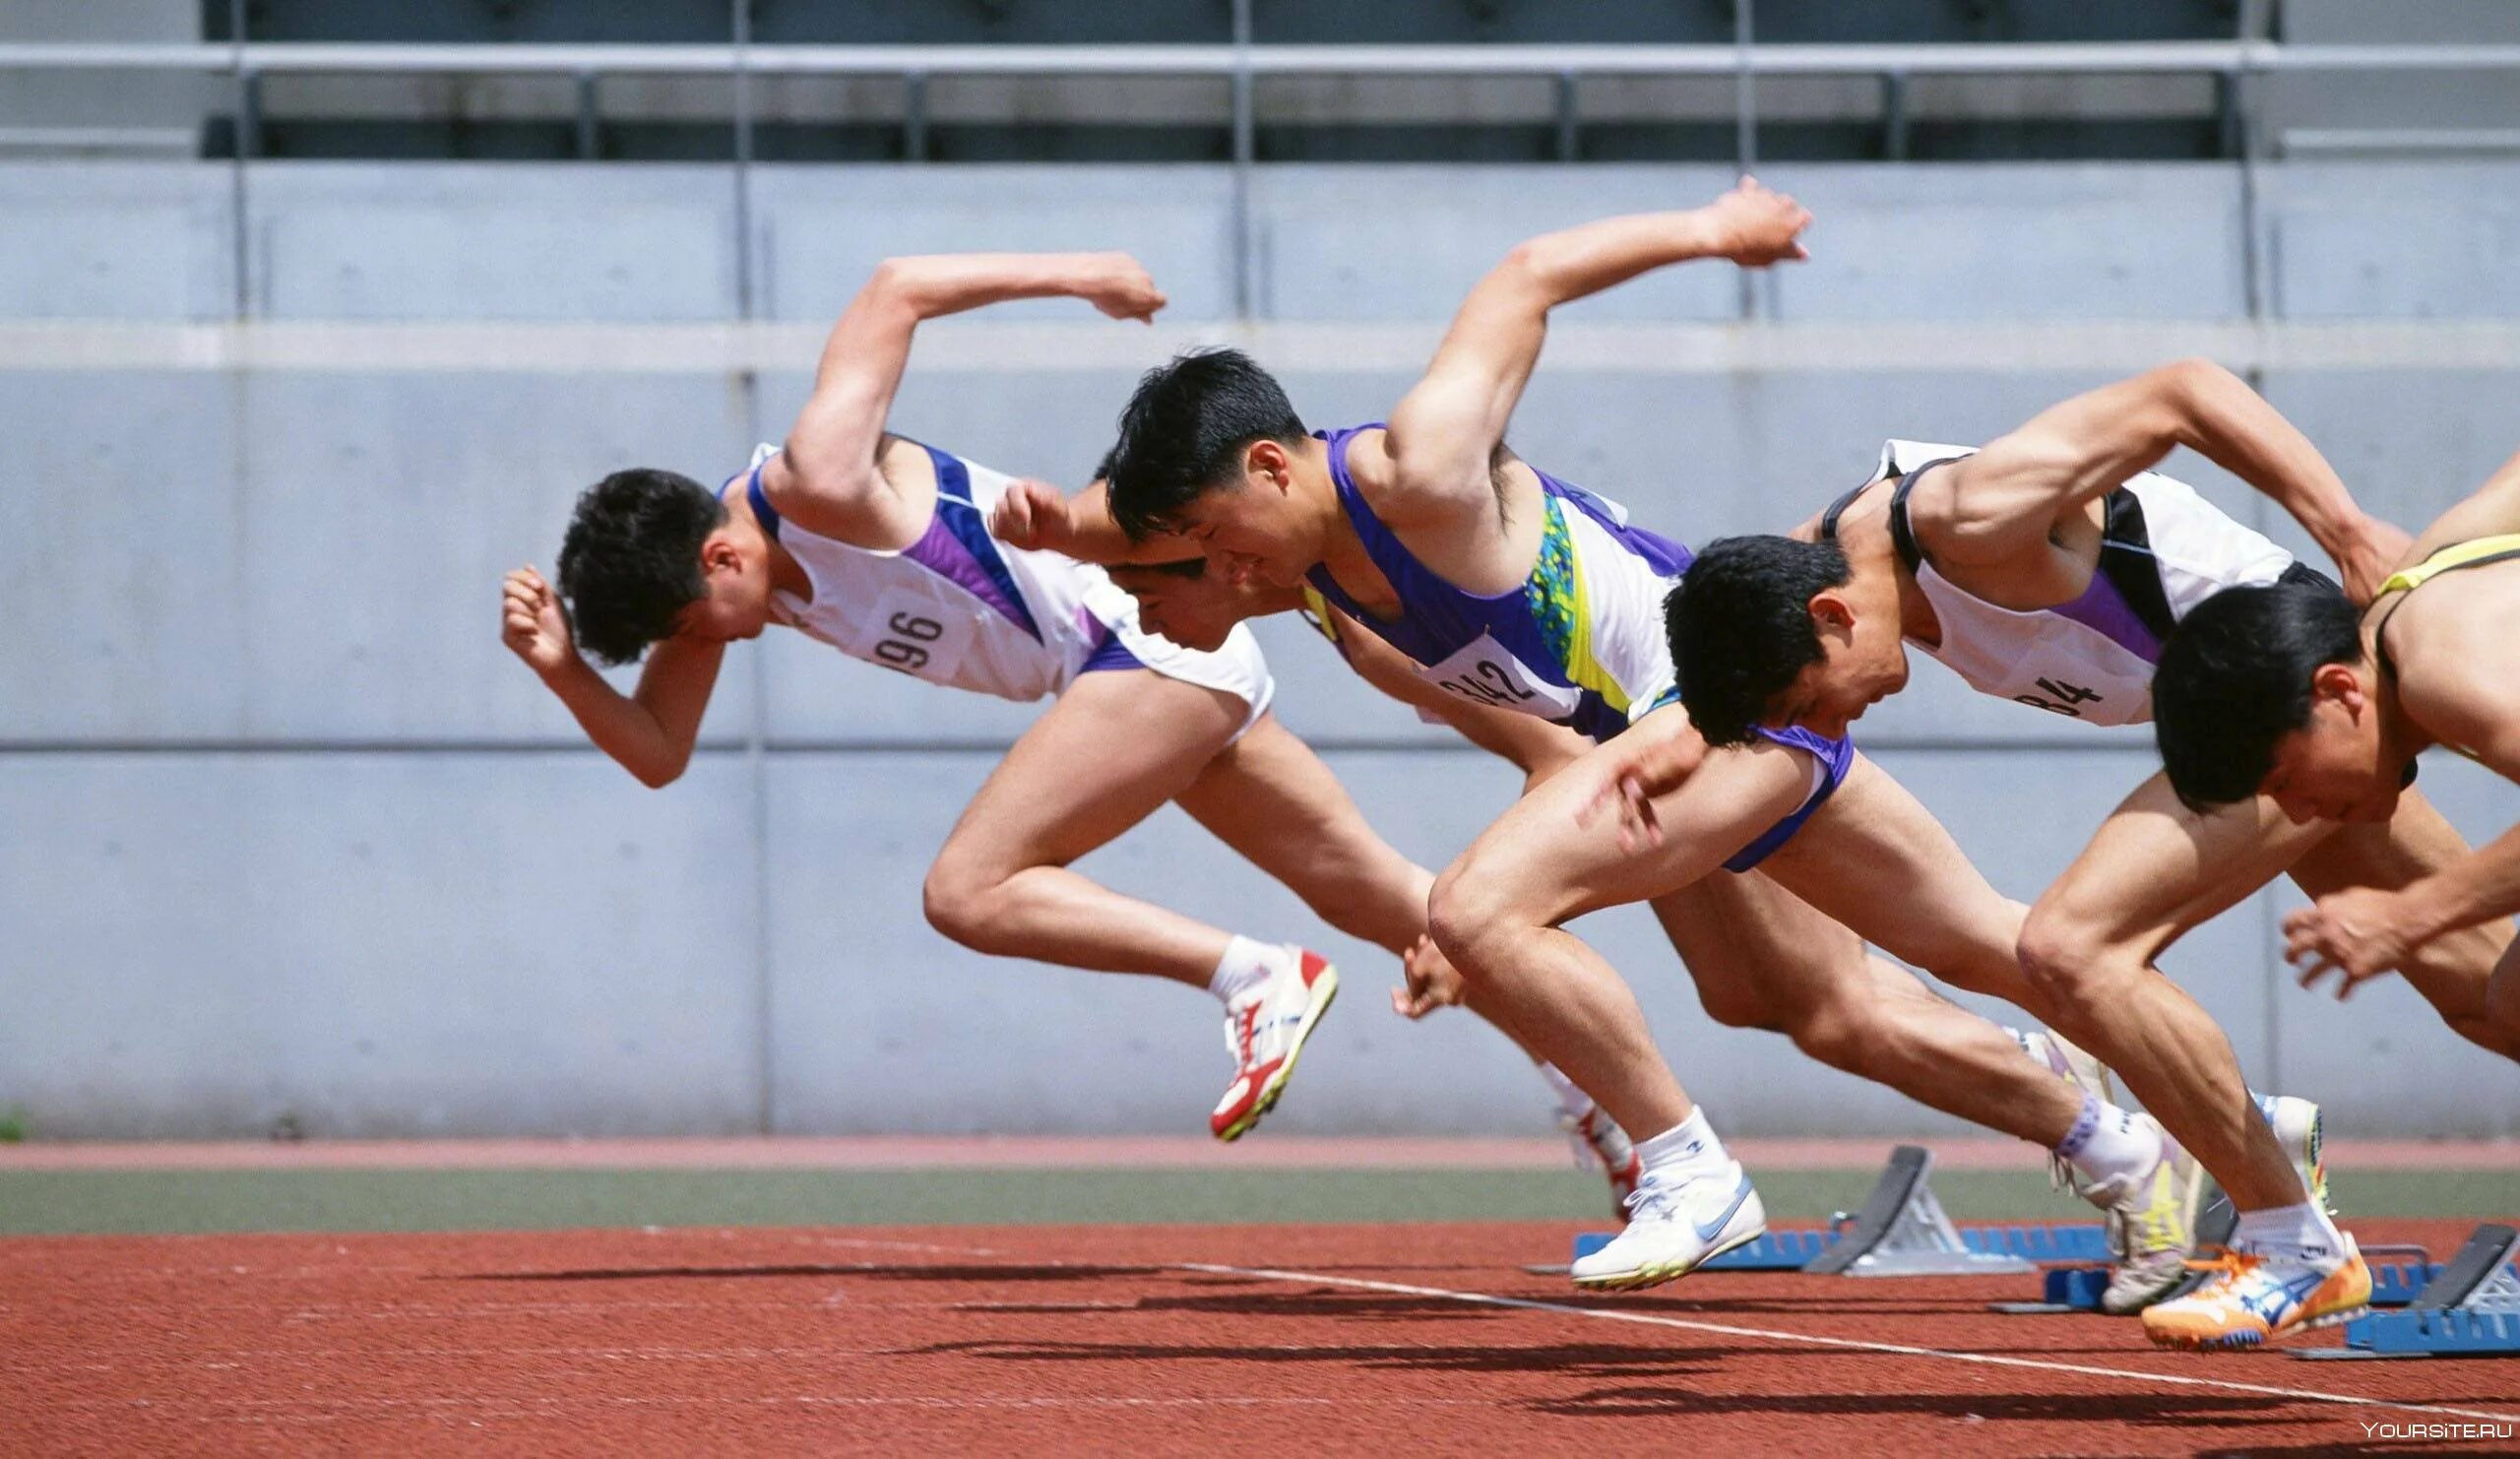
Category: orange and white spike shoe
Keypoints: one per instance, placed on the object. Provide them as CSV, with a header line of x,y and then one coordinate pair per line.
x,y
2254,1299
1265,1032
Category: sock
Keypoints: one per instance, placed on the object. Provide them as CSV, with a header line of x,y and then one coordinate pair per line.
x,y
1244,967
2109,1146
2301,1233
1571,1099
1687,1149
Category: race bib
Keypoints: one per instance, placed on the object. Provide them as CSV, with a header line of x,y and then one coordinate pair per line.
x,y
1486,672
912,632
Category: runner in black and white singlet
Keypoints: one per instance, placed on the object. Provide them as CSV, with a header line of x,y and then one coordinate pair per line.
x,y
879,547
2048,568
1501,585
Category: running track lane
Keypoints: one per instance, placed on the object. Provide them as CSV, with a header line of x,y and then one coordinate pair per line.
x,y
1132,1338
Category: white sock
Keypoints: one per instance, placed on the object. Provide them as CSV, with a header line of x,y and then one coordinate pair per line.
x,y
2109,1146
1244,967
2301,1233
1688,1147
1573,1101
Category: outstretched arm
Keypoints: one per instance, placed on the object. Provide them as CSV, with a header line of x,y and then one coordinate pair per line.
x,y
829,463
1534,746
649,732
2004,501
1038,515
1445,430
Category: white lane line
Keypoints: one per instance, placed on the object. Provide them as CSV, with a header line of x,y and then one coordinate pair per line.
x,y
1990,1360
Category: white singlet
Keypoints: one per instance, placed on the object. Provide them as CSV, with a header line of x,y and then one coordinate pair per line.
x,y
961,609
2164,549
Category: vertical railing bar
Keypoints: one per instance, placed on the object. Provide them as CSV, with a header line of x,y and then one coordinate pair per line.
x,y
1247,284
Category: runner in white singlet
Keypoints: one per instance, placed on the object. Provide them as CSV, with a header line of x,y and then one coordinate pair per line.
x,y
2048,568
879,545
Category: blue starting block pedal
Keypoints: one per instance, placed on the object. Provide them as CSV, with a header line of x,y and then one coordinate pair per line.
x,y
2469,1307
1901,1231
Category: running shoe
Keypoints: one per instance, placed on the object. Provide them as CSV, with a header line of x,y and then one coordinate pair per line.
x,y
1674,1225
2252,1300
1265,1030
2151,1225
1598,1141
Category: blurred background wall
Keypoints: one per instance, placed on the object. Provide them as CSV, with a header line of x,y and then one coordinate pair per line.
x,y
290,371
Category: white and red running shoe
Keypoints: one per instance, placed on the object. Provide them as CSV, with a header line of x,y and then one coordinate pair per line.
x,y
1597,1140
1264,1031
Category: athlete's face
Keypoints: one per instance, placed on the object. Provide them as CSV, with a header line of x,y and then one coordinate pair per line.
x,y
736,604
1862,661
1183,602
1255,530
2337,766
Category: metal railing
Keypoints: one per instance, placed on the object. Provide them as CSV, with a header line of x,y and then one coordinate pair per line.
x,y
2234,65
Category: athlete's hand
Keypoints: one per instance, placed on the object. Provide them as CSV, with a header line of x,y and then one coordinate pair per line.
x,y
2356,934
1434,981
2376,551
531,624
1755,226
1031,514
1631,782
1122,287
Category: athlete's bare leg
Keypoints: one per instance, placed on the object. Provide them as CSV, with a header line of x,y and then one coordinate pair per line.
x,y
2461,974
2155,870
1875,860
1270,797
1114,747
1495,913
1755,957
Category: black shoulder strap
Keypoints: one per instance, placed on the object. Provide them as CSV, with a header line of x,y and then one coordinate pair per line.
x,y
1902,534
1837,509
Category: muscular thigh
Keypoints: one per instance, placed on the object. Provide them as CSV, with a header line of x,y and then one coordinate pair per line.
x,y
1270,797
1116,745
1755,950
1549,866
1877,861
2157,868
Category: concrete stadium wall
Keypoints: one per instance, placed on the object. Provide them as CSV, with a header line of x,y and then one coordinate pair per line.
x,y
289,835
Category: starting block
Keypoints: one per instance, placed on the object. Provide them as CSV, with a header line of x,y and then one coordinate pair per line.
x,y
1901,1231
2469,1307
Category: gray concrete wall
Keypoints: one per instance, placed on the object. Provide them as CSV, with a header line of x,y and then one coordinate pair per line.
x,y
287,833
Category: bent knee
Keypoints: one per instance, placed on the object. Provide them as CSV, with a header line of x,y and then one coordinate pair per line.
x,y
2069,960
1837,1035
958,901
1468,912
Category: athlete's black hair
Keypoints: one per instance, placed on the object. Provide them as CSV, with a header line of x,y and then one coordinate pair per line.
x,y
1184,433
2234,677
1740,626
631,561
1193,568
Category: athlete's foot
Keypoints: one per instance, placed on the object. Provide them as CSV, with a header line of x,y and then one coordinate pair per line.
x,y
2151,1229
2254,1299
1675,1223
1265,1032
2302,1131
1602,1142
2087,1075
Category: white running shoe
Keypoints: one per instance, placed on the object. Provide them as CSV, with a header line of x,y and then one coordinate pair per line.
x,y
1598,1141
1265,1030
1674,1225
2151,1221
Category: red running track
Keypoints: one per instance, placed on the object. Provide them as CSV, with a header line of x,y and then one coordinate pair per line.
x,y
1118,1340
